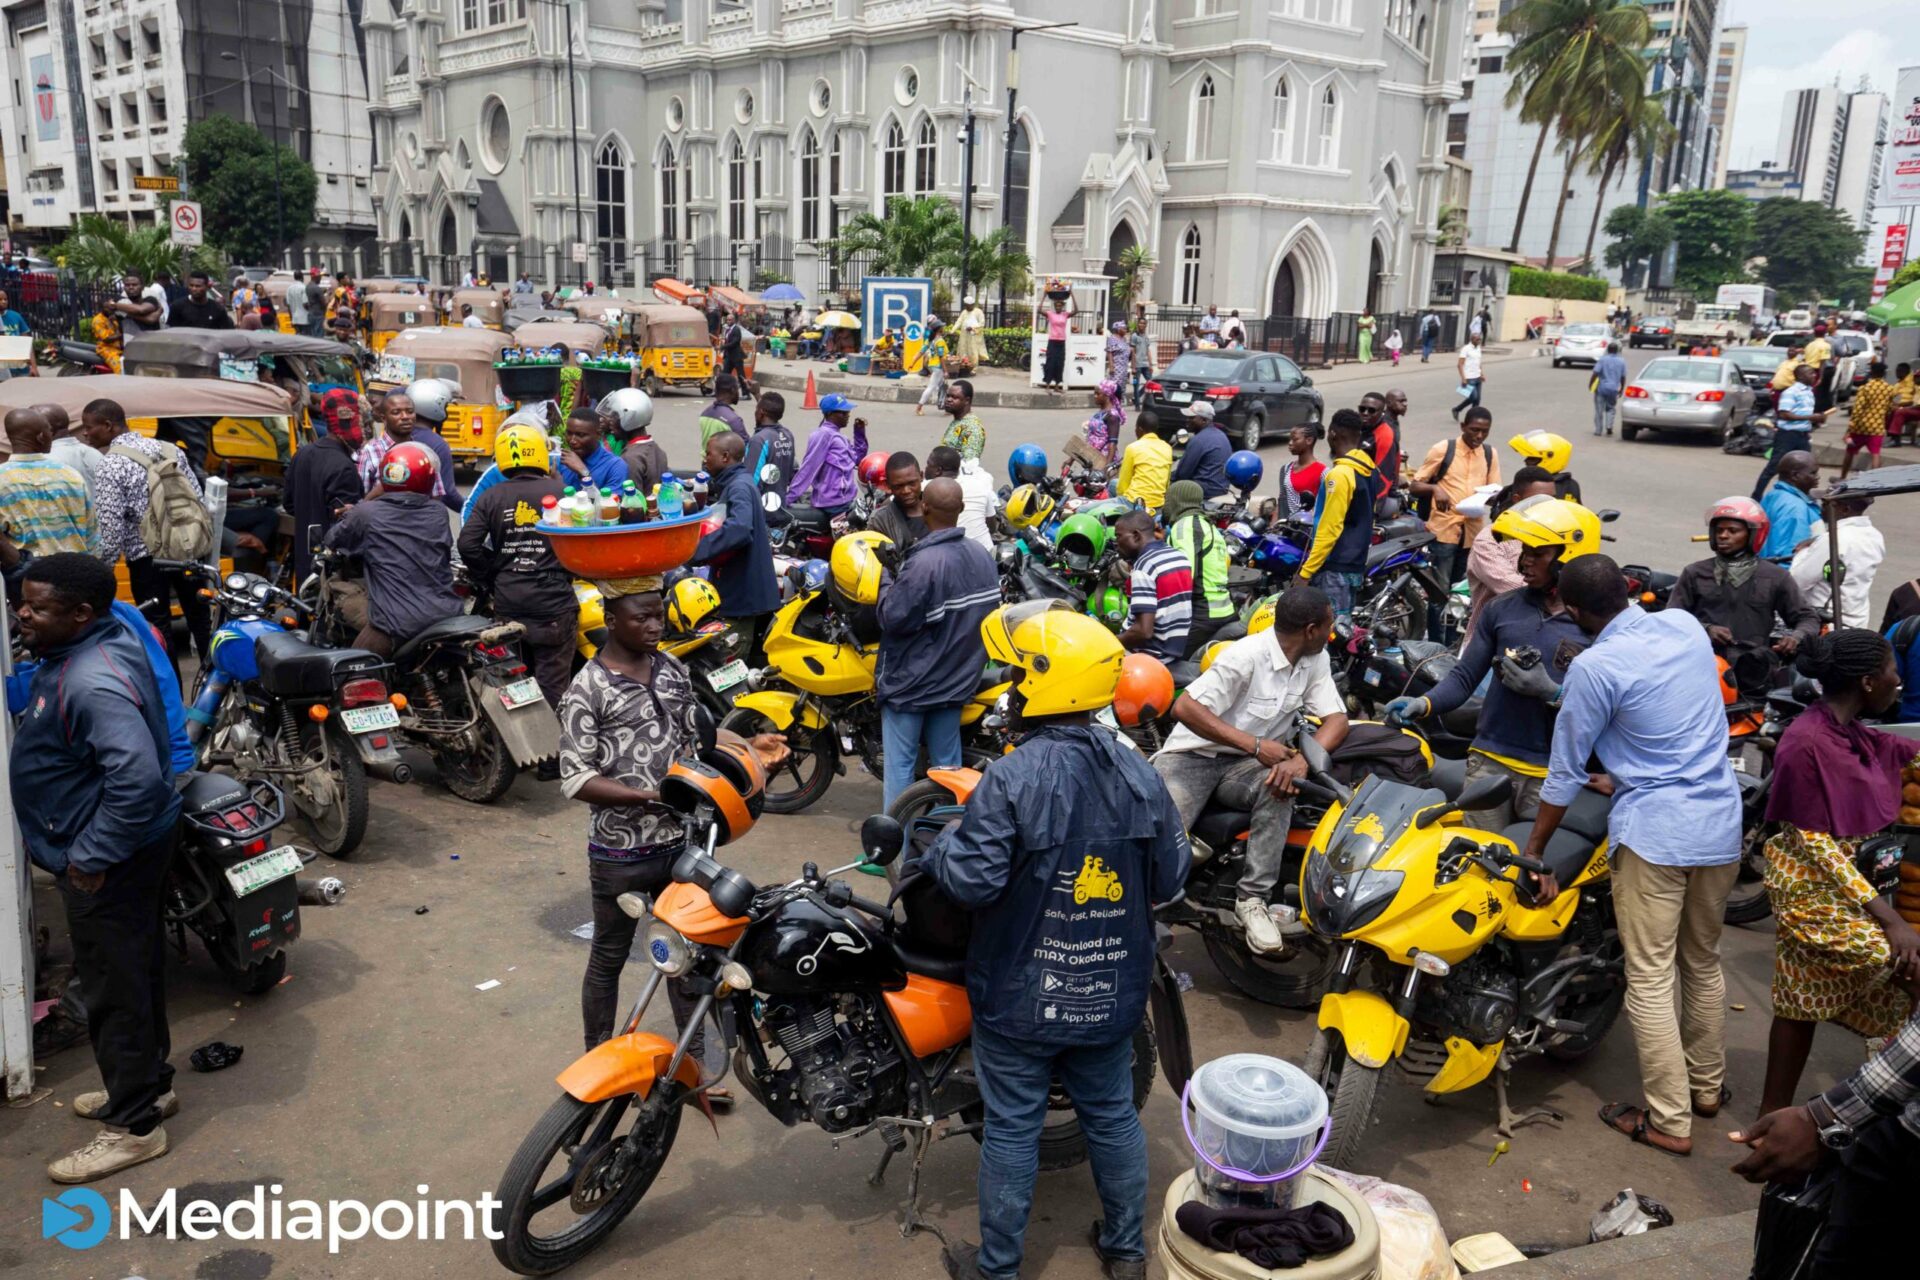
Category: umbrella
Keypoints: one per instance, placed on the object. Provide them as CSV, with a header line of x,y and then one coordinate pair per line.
x,y
782,293
837,320
1899,309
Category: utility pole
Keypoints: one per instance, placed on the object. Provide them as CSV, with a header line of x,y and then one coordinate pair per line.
x,y
966,188
1013,94
573,146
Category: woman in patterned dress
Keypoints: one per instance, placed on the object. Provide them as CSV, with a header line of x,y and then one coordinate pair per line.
x,y
1840,948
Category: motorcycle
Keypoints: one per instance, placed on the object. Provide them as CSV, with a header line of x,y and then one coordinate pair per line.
x,y
1753,737
1440,964
1752,438
269,705
465,695
837,1015
239,897
713,652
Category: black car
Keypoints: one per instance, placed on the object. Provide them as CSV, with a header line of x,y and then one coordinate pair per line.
x,y
1255,394
1652,331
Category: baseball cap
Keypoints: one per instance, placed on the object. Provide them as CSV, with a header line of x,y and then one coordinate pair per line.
x,y
835,403
1199,411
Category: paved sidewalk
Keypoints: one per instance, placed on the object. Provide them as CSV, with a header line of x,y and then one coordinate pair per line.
x,y
1707,1249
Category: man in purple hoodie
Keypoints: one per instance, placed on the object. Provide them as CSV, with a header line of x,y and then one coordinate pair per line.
x,y
827,471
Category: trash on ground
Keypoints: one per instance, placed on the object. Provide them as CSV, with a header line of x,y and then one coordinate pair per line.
x,y
1485,1251
1629,1214
1413,1245
583,931
1738,1008
1500,1148
1184,980
488,985
216,1055
419,911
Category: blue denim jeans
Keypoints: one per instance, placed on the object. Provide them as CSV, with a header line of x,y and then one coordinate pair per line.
x,y
1341,589
1015,1076
902,732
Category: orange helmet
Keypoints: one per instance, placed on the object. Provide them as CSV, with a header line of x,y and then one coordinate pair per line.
x,y
1145,692
1747,512
728,779
411,467
873,469
1729,691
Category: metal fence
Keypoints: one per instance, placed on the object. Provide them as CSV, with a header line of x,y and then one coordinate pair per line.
x,y
1309,341
59,308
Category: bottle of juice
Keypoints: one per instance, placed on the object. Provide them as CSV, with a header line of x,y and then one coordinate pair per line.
x,y
633,505
549,510
610,507
570,507
669,502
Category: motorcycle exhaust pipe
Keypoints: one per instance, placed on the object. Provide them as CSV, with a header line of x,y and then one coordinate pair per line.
x,y
391,770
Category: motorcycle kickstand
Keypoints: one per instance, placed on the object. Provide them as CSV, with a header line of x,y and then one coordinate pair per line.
x,y
922,1139
1509,1119
891,1144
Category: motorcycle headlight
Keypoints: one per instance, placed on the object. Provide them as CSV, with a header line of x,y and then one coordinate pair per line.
x,y
667,949
1341,905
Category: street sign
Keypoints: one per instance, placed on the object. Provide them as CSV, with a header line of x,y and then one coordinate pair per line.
x,y
1893,256
155,182
185,218
579,251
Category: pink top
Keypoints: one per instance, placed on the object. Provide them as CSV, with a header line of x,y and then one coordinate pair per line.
x,y
1057,322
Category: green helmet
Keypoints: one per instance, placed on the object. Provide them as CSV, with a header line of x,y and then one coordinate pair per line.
x,y
1108,510
1082,541
1109,606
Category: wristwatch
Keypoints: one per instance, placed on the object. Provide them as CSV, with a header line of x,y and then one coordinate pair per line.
x,y
1835,1133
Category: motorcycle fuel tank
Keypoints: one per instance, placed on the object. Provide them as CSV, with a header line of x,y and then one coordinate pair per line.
x,y
810,950
233,654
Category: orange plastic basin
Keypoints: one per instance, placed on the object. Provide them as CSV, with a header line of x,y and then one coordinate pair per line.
x,y
626,550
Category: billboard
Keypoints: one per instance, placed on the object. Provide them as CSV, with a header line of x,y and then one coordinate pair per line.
x,y
1893,256
1901,182
43,88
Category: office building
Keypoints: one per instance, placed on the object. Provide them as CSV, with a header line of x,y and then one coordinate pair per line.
x,y
1835,140
1730,60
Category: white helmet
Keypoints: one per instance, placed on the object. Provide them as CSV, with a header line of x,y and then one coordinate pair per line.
x,y
631,409
430,397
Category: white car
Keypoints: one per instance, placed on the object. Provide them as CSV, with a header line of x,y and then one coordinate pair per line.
x,y
1582,343
1853,354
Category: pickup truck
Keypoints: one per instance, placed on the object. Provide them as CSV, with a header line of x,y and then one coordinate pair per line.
x,y
1711,325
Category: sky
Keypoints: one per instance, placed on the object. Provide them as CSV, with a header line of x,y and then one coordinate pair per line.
x,y
1793,45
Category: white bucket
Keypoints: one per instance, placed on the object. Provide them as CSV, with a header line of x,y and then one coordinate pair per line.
x,y
1255,1125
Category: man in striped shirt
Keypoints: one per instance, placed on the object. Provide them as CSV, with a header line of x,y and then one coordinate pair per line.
x,y
43,505
1160,590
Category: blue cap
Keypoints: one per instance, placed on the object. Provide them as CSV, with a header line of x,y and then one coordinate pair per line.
x,y
835,403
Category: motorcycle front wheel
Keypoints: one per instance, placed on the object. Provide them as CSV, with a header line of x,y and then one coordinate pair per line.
x,y
802,778
560,1196
1295,981
1352,1092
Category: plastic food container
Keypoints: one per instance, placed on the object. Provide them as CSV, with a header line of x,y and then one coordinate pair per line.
x,y
1255,1124
624,550
524,382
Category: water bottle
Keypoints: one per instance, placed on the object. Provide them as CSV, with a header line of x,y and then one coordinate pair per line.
x,y
633,505
550,510
669,503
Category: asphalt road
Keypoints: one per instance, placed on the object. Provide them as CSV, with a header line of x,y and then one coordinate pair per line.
x,y
379,1066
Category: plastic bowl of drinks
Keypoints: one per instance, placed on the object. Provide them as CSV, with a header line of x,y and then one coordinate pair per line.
x,y
623,534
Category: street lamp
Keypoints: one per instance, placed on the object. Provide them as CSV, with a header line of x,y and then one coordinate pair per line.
x,y
1013,91
279,197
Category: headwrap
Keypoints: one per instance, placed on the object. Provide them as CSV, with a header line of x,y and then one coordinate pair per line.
x,y
1184,497
612,589
338,405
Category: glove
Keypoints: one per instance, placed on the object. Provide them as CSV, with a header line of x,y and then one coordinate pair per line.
x,y
1402,712
1529,682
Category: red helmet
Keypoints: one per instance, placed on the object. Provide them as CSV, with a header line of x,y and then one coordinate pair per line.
x,y
411,467
873,469
1747,511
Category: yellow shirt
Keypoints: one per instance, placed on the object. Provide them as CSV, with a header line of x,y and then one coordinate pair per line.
x,y
1904,391
1145,469
1819,351
1783,376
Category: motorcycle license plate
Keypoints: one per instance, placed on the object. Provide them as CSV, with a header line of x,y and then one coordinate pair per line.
x,y
370,719
1179,397
1371,677
520,693
1739,763
257,873
724,678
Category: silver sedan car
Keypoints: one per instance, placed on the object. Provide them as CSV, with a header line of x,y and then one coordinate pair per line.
x,y
1581,343
1686,393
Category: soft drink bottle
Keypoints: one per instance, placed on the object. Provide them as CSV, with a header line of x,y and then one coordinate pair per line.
x,y
610,507
549,510
669,502
633,505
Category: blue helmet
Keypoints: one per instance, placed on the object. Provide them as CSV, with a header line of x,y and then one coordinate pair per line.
x,y
1027,464
1244,469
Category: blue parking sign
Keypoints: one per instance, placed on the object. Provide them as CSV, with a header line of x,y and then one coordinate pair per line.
x,y
893,302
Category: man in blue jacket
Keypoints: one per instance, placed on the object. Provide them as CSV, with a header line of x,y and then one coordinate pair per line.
x,y
93,783
1205,460
930,650
1060,855
738,556
1790,506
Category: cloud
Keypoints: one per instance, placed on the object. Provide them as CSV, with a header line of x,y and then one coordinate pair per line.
x,y
1779,39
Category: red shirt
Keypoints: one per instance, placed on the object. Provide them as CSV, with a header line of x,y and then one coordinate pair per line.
x,y
1386,452
1306,482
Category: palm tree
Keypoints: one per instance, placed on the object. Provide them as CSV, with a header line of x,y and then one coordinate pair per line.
x,y
1570,57
101,249
908,241
996,260
1451,224
1636,127
1135,261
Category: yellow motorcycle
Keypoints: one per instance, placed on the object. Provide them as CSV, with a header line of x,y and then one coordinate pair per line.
x,y
1442,965
711,649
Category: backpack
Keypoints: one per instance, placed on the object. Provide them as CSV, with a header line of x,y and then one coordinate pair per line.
x,y
176,525
1423,507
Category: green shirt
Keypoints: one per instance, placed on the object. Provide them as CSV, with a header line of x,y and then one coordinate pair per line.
x,y
967,435
1194,537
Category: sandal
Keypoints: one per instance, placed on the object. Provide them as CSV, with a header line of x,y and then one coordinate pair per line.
x,y
1613,1112
1708,1112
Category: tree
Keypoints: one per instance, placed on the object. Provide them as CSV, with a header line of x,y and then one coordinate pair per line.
x,y
100,249
1570,60
922,237
1451,225
1134,262
1808,247
1635,235
1905,276
1636,126
255,195
1713,236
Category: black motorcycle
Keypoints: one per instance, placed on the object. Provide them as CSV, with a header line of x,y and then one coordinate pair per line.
x,y
239,897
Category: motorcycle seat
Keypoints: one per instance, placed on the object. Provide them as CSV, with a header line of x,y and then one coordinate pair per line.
x,y
1381,552
1587,815
939,966
995,674
1219,828
809,518
461,626
1449,777
1567,852
292,668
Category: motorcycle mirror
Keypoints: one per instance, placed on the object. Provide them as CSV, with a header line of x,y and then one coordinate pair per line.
x,y
634,904
1607,515
1318,761
882,839
770,502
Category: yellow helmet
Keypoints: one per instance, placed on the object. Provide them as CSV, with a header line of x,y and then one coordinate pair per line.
x,y
1027,506
856,565
1543,449
520,446
1262,619
1551,522
1214,650
689,603
1068,661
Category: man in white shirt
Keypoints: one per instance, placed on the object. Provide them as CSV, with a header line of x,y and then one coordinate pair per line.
x,y
978,499
297,304
1862,548
1210,322
1472,374
1228,742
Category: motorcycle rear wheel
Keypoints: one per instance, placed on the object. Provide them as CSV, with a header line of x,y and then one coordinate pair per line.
x,y
804,776
339,821
578,1131
482,776
1064,1145
1352,1092
1749,903
1296,982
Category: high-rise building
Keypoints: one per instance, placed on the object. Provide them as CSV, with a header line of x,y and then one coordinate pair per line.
x,y
1857,186
1833,140
1729,61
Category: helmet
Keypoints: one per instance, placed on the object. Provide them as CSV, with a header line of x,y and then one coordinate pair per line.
x,y
856,565
1145,692
1543,449
1262,619
1747,511
1108,605
1082,541
1027,464
689,601
1068,662
410,467
1027,506
1729,689
630,408
1551,522
520,446
1212,654
1244,469
727,778
430,397
873,469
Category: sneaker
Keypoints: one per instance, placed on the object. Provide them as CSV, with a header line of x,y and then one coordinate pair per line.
x,y
110,1151
1116,1268
962,1261
91,1106
1263,935
58,1030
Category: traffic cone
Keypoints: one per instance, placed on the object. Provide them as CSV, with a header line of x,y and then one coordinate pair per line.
x,y
812,400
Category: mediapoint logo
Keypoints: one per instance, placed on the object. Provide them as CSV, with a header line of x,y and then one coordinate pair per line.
x,y
81,1218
